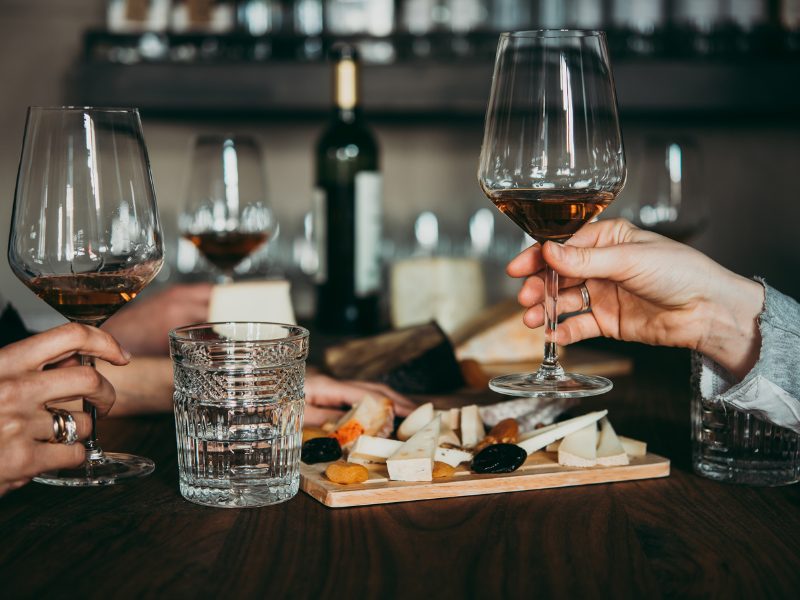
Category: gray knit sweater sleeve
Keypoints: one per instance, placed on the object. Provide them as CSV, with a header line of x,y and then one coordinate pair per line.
x,y
771,390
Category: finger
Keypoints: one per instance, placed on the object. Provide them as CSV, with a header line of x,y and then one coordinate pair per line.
x,y
316,416
569,301
72,361
36,389
532,290
527,262
59,344
606,232
50,457
614,263
403,405
40,426
577,328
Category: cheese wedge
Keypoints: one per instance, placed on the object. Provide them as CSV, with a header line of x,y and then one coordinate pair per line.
x,y
420,417
413,461
579,449
609,449
371,416
472,430
450,418
452,456
540,438
448,436
368,448
633,448
251,301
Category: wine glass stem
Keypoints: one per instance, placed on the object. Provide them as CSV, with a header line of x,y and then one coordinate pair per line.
x,y
550,365
93,450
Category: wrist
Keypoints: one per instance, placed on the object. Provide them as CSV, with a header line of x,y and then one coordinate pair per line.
x,y
731,335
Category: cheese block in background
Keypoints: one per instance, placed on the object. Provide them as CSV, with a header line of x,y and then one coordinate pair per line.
x,y
413,461
498,335
609,448
579,449
252,301
449,291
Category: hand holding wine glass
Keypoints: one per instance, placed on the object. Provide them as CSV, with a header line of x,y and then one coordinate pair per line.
x,y
552,160
227,215
85,236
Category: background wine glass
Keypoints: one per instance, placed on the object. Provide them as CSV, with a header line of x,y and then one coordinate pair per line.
x,y
85,236
669,198
226,214
552,159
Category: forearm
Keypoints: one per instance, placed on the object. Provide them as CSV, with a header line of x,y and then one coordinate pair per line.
x,y
731,335
144,385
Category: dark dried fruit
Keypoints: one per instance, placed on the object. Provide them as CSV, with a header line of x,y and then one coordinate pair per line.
x,y
323,449
499,458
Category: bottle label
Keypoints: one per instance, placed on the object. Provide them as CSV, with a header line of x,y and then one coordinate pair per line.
x,y
368,205
319,232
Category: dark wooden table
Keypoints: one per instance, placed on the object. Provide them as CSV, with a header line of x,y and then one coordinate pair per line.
x,y
683,536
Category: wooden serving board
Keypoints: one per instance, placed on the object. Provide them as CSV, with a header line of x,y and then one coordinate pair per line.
x,y
540,471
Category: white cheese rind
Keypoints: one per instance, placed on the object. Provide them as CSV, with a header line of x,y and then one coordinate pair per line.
x,y
548,435
609,449
420,417
579,448
452,456
413,461
373,449
472,430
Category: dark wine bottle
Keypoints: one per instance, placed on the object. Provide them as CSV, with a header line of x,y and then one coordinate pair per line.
x,y
347,210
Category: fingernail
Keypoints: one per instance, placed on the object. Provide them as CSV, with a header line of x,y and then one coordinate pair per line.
x,y
125,353
557,251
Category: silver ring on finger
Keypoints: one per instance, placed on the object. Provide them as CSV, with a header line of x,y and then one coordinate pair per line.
x,y
65,429
586,300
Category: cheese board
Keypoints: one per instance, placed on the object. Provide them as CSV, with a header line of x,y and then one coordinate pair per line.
x,y
541,470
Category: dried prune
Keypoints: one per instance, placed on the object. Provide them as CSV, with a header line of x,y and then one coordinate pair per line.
x,y
322,449
499,458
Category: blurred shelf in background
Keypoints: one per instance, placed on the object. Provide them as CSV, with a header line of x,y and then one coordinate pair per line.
x,y
759,87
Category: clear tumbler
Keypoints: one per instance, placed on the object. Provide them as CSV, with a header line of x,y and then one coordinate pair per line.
x,y
733,446
239,411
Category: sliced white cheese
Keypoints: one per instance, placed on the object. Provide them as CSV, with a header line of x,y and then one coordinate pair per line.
x,y
413,461
472,430
452,456
368,448
375,415
633,448
420,417
448,436
540,438
579,448
609,449
450,418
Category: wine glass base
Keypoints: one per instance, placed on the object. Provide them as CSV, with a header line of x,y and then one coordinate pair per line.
x,y
565,385
114,467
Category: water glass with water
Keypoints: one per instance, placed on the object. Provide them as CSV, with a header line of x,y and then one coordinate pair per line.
x,y
239,411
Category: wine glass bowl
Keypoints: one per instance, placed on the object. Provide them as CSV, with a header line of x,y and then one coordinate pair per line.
x,y
85,235
227,215
552,160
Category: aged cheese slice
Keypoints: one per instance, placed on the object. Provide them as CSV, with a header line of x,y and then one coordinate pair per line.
x,y
579,448
448,436
420,417
450,418
449,291
540,438
472,430
373,449
609,449
251,301
371,416
452,456
413,461
633,448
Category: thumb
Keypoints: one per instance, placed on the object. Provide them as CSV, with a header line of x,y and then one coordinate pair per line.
x,y
611,262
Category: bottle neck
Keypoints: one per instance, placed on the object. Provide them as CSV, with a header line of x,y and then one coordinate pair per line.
x,y
346,101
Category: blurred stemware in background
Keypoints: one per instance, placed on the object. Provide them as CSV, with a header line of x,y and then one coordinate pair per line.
x,y
227,215
670,199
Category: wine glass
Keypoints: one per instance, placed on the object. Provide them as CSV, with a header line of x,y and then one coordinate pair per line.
x,y
85,236
670,199
227,215
552,159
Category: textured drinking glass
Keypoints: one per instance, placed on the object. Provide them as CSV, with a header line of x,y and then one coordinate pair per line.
x,y
729,445
552,160
239,411
85,236
227,214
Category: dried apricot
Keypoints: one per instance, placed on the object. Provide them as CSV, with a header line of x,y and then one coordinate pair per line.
x,y
344,472
441,470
